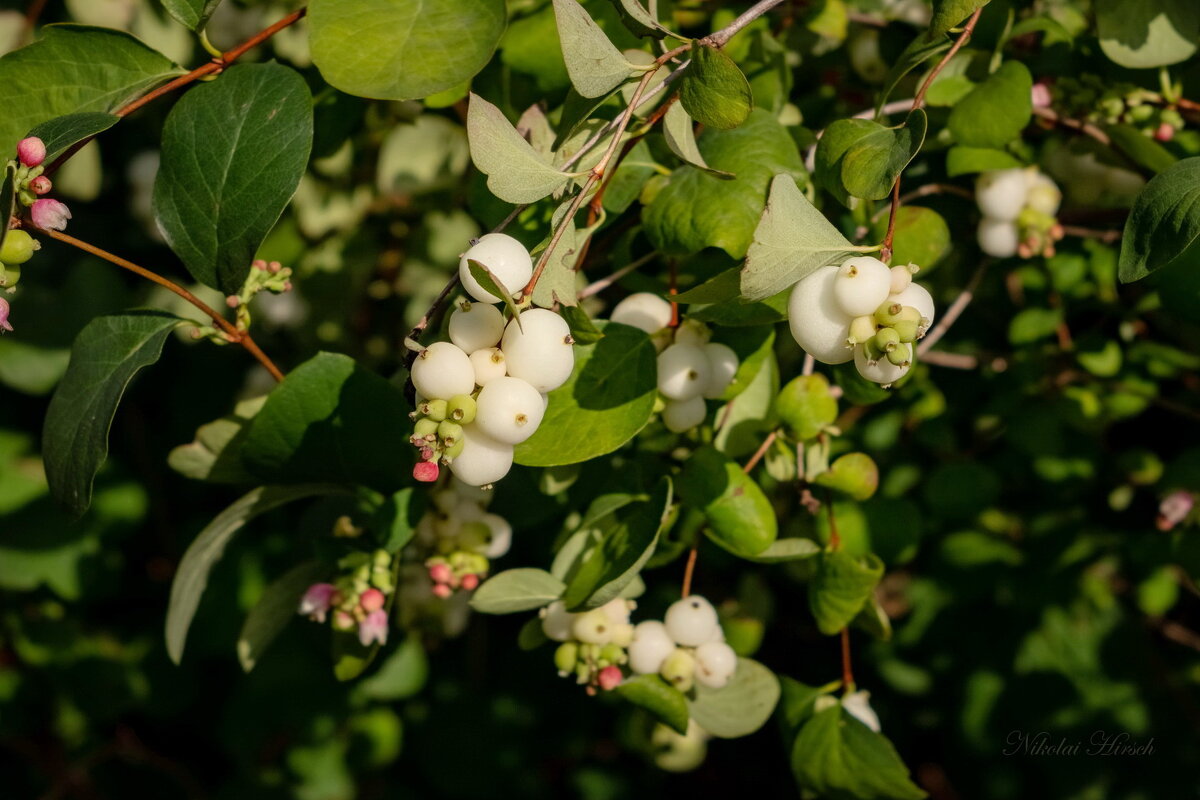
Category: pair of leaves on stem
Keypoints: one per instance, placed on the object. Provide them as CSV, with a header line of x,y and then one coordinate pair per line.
x,y
862,158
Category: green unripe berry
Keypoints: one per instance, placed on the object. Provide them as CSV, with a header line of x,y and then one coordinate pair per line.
x,y
887,339
10,274
434,409
18,247
861,329
907,330
449,432
909,314
901,356
888,313
461,409
566,656
455,450
613,654
872,351
679,670
425,428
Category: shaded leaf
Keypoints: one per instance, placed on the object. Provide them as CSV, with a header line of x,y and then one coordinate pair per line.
x,y
837,756
664,701
1164,222
191,14
595,65
275,609
713,90
840,588
740,707
677,130
61,133
515,590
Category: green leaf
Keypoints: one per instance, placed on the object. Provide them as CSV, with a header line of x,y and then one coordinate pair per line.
x,y
308,430
275,609
1141,149
8,199
919,50
922,237
854,474
494,287
556,286
1164,222
638,20
874,620
515,590
606,401
61,133
838,757
206,550
740,707
677,130
595,65
748,417
215,454
713,90
73,69
583,330
106,356
840,588
790,549
962,160
1147,33
739,516
402,49
396,520
949,14
863,158
793,239
402,675
233,154
192,14
628,537
806,405
664,701
516,173
798,699
996,111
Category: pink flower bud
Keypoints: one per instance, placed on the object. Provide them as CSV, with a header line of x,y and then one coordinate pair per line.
x,y
470,582
40,185
442,590
1165,132
50,214
5,325
1173,509
1040,95
440,573
371,600
374,628
233,301
258,263
275,266
31,151
609,677
426,471
317,600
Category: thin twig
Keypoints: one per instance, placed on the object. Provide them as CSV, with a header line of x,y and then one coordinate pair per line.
x,y
955,310
1105,236
722,37
595,287
938,358
760,452
232,333
1087,128
847,672
690,568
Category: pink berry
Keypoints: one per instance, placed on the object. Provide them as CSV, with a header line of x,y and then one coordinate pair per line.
x,y
469,582
426,471
442,590
31,151
1165,132
40,185
371,600
1040,95
609,677
440,573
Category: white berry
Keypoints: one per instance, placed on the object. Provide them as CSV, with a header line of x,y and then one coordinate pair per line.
x,y
650,647
902,276
858,706
593,627
999,238
683,371
488,364
505,257
479,325
817,322
483,459
643,310
557,622
509,410
723,363
539,350
691,621
442,371
862,284
500,533
692,332
683,415
715,664
1001,193
618,610
1044,195
919,298
882,371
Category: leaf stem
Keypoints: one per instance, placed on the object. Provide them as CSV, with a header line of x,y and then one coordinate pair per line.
x,y
233,334
955,310
847,671
760,452
595,287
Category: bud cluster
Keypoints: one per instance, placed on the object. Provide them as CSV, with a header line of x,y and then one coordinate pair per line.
x,y
357,598
1095,99
1018,207
593,642
458,537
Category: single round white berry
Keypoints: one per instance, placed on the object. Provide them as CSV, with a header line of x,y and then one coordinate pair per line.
x,y
715,664
509,410
557,622
858,706
723,363
691,621
998,238
882,371
539,350
622,634
488,364
902,275
692,332
505,257
683,415
593,627
643,310
442,371
479,326
1001,193
1044,195
683,371
862,284
618,610
483,459
500,532
817,322
919,298
650,647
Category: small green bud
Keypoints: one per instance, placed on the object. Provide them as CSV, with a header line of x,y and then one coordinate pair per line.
x,y
613,654
887,339
907,330
861,329
566,656
449,432
18,247
872,350
901,356
434,409
455,450
888,313
909,314
461,409
10,274
425,428
679,669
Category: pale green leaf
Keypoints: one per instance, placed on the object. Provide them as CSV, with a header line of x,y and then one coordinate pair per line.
x,y
516,173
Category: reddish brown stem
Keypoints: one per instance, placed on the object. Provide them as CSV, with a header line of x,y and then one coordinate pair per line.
x,y
760,452
847,672
835,539
33,12
690,568
233,334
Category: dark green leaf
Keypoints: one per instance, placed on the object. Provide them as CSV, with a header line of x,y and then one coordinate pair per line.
x,y
396,520
996,111
739,516
233,153
1164,222
949,14
962,160
275,609
797,701
840,588
861,158
919,50
60,133
583,330
191,14
838,757
664,701
714,91
107,354
1141,149
515,590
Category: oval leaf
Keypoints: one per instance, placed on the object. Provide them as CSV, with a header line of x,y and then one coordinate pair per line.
x,y
739,516
516,173
664,701
595,65
840,588
191,14
517,590
996,111
714,91
274,610
740,707
1164,221
835,755
60,133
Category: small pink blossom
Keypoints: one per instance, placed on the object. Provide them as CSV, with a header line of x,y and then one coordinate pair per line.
x,y
1165,132
374,628
424,471
50,214
609,677
1040,95
440,573
317,601
1174,509
371,600
40,185
442,590
31,151
470,582
5,325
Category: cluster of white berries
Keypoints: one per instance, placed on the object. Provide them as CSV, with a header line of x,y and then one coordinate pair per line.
x,y
1019,207
862,310
484,391
460,537
687,647
593,642
691,368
